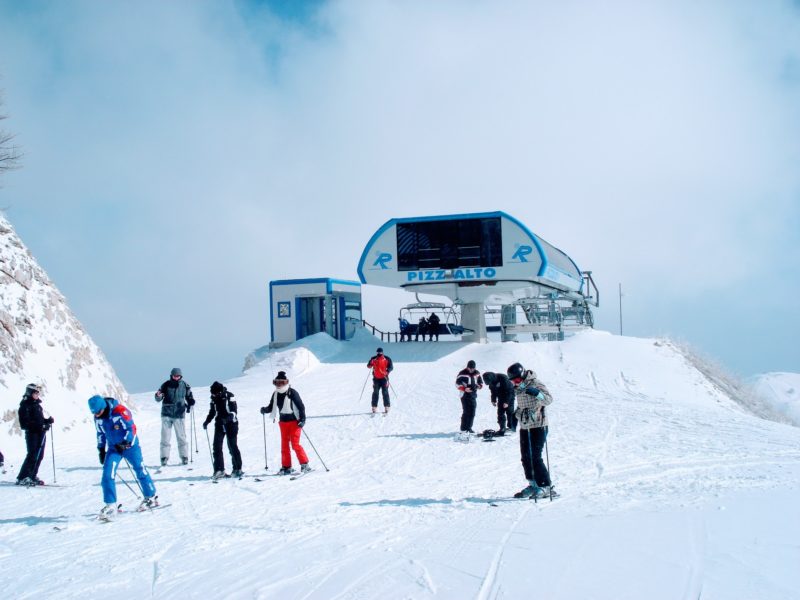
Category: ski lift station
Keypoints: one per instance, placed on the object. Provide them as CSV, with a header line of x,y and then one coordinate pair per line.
x,y
487,264
303,307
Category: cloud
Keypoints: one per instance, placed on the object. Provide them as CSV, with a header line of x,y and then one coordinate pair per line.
x,y
197,151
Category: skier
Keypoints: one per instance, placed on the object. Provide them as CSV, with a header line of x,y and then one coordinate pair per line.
x,y
35,425
532,397
422,329
502,391
2,461
468,382
117,439
381,366
405,336
292,418
178,400
224,412
433,327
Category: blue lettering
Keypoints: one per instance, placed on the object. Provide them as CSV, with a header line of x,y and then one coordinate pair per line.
x,y
412,276
521,253
382,259
439,275
490,272
458,274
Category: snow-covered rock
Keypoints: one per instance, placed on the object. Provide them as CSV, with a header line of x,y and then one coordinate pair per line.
x,y
42,341
782,392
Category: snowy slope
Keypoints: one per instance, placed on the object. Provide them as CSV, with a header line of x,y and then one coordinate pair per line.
x,y
670,490
782,391
42,342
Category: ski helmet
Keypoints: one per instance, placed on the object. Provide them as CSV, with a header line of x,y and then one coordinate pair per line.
x,y
516,371
32,387
217,388
97,403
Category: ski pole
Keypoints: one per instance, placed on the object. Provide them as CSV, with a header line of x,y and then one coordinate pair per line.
x,y
530,462
136,479
211,454
364,387
315,450
264,427
122,479
194,427
547,454
53,453
396,397
191,429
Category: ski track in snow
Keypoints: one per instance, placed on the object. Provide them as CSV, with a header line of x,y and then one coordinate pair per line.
x,y
639,446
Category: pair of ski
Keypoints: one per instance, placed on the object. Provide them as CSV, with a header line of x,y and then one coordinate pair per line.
x,y
294,475
110,518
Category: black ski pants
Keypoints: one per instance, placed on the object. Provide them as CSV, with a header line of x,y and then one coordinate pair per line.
x,y
35,442
506,418
531,444
469,403
381,384
231,430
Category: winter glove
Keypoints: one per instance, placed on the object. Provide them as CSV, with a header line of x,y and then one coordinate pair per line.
x,y
532,391
300,424
205,424
190,402
102,454
122,446
49,420
46,426
188,408
264,410
494,402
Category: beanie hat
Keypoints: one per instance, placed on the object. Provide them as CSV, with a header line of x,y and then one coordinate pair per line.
x,y
175,371
217,387
379,350
471,364
489,377
281,376
96,404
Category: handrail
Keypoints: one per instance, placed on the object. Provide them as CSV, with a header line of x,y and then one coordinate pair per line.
x,y
375,330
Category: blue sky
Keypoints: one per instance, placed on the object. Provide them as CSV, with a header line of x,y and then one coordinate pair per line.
x,y
179,156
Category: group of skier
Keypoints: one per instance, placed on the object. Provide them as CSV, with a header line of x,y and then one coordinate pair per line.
x,y
429,327
117,437
521,386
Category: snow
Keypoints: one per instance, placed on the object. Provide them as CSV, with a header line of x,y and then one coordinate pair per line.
x,y
669,490
782,391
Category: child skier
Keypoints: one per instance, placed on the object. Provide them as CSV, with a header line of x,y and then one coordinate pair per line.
x,y
287,403
117,439
224,412
532,397
468,382
502,393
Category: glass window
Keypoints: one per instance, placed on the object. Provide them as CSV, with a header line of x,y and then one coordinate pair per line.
x,y
449,244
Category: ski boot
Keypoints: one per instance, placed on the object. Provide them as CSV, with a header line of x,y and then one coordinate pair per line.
x,y
163,461
237,473
528,492
286,471
26,481
107,512
218,475
305,468
148,503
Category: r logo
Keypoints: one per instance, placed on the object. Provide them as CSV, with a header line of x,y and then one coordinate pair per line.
x,y
521,253
382,259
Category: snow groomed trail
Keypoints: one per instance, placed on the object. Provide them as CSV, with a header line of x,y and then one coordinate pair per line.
x,y
669,490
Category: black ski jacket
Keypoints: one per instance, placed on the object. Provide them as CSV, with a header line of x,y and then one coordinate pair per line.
x,y
222,408
502,389
298,408
31,415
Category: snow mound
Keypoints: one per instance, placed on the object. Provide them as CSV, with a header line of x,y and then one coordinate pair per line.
x,y
782,392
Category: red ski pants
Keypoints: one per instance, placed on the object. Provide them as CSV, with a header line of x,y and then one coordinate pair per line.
x,y
290,434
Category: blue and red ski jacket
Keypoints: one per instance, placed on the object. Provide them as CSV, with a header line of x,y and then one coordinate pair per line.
x,y
116,428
